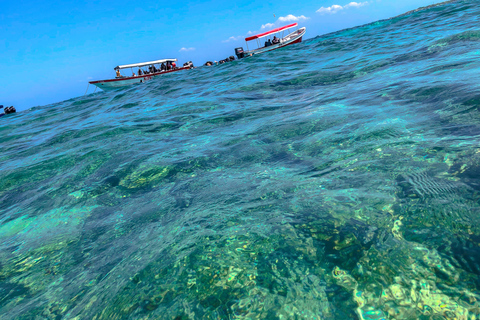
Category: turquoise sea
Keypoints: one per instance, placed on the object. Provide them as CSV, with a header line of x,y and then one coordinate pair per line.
x,y
338,178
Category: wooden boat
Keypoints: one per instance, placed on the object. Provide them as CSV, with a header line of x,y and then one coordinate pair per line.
x,y
291,38
122,81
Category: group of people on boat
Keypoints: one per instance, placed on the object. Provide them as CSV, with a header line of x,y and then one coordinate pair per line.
x,y
269,42
7,110
163,67
152,69
170,65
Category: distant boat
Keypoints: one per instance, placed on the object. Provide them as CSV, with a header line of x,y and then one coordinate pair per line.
x,y
122,81
291,38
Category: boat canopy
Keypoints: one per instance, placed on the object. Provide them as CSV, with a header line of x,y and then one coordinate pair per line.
x,y
265,34
142,64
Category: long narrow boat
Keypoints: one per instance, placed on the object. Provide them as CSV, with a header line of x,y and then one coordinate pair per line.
x,y
122,81
291,38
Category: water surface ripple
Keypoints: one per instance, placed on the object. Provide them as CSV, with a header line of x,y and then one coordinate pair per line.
x,y
335,179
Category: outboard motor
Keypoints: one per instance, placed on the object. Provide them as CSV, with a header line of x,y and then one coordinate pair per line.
x,y
239,53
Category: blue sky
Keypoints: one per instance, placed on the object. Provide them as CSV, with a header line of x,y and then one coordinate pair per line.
x,y
49,50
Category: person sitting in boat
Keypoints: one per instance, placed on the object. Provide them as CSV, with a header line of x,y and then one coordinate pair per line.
x,y
174,65
275,40
140,72
118,73
163,67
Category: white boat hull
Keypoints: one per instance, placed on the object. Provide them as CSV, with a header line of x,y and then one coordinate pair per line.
x,y
294,37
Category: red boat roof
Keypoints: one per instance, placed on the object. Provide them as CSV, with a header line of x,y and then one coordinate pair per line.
x,y
261,35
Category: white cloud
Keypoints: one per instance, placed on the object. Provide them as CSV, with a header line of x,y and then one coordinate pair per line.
x,y
355,4
232,38
332,9
280,20
291,17
336,8
186,49
267,25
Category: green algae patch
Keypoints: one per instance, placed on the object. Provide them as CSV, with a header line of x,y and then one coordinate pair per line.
x,y
145,177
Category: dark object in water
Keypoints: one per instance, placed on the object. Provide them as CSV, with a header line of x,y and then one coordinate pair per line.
x,y
188,64
9,110
210,63
239,52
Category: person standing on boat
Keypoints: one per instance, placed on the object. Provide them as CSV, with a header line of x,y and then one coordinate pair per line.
x,y
118,73
163,67
174,65
140,72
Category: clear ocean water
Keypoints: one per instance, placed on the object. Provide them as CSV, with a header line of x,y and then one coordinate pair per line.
x,y
334,179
